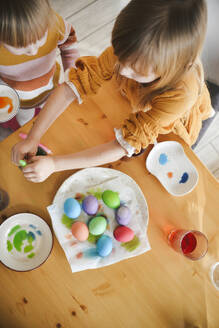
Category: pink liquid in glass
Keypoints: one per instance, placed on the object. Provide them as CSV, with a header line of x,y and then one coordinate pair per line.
x,y
191,243
188,243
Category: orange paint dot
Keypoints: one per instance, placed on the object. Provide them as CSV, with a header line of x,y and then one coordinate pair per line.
x,y
170,174
79,255
4,101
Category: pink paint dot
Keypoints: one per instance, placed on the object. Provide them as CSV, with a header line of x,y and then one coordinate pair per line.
x,y
69,236
79,255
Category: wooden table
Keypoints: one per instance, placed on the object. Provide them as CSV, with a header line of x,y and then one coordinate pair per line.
x,y
160,289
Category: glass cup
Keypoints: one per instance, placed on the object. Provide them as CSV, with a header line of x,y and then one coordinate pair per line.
x,y
4,199
190,243
214,275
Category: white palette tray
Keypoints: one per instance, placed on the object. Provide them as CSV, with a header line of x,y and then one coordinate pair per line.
x,y
169,164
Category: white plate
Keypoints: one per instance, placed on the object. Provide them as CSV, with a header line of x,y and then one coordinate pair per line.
x,y
168,162
214,275
80,254
6,91
26,242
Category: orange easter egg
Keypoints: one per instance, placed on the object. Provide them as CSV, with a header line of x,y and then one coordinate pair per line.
x,y
80,231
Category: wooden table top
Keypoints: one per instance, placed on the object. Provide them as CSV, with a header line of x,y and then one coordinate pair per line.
x,y
160,288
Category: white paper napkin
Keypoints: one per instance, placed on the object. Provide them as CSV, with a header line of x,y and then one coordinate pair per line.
x,y
82,255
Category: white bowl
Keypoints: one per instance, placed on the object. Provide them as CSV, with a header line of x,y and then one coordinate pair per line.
x,y
26,242
214,275
6,91
169,164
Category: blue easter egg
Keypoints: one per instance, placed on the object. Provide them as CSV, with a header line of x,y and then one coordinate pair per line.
x,y
104,246
72,208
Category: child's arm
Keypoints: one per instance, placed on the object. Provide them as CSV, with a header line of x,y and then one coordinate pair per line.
x,y
67,43
59,100
42,167
86,80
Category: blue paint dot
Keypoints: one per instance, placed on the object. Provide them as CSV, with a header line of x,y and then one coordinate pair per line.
x,y
184,178
39,232
31,234
163,159
32,226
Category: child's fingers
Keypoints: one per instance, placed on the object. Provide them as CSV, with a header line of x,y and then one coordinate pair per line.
x,y
30,168
29,175
35,180
15,157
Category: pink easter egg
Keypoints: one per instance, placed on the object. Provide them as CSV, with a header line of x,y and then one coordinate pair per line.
x,y
80,231
123,234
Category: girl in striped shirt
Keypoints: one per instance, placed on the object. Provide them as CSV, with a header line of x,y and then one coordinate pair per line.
x,y
30,35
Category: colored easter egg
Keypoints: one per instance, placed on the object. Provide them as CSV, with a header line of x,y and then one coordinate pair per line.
x,y
97,225
111,198
90,205
104,246
80,231
123,215
123,234
72,208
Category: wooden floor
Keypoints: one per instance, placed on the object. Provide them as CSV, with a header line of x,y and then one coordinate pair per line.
x,y
93,21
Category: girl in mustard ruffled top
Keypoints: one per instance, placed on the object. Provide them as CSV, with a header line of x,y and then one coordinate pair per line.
x,y
156,45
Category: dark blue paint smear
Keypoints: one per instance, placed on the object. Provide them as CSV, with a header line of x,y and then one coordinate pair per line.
x,y
32,226
163,159
184,178
30,233
39,232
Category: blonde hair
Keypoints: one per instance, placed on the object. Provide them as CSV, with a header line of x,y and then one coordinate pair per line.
x,y
166,35
23,22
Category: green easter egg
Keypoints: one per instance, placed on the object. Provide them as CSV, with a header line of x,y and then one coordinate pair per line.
x,y
111,198
97,225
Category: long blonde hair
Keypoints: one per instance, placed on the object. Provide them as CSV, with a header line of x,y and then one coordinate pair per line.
x,y
23,22
165,34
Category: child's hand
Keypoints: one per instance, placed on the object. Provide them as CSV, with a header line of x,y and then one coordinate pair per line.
x,y
40,168
25,148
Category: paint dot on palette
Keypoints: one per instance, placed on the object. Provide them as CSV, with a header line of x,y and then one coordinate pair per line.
x,y
184,178
32,226
9,246
31,237
170,174
163,159
30,256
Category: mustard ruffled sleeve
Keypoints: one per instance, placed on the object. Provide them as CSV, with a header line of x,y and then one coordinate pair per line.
x,y
143,128
91,72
